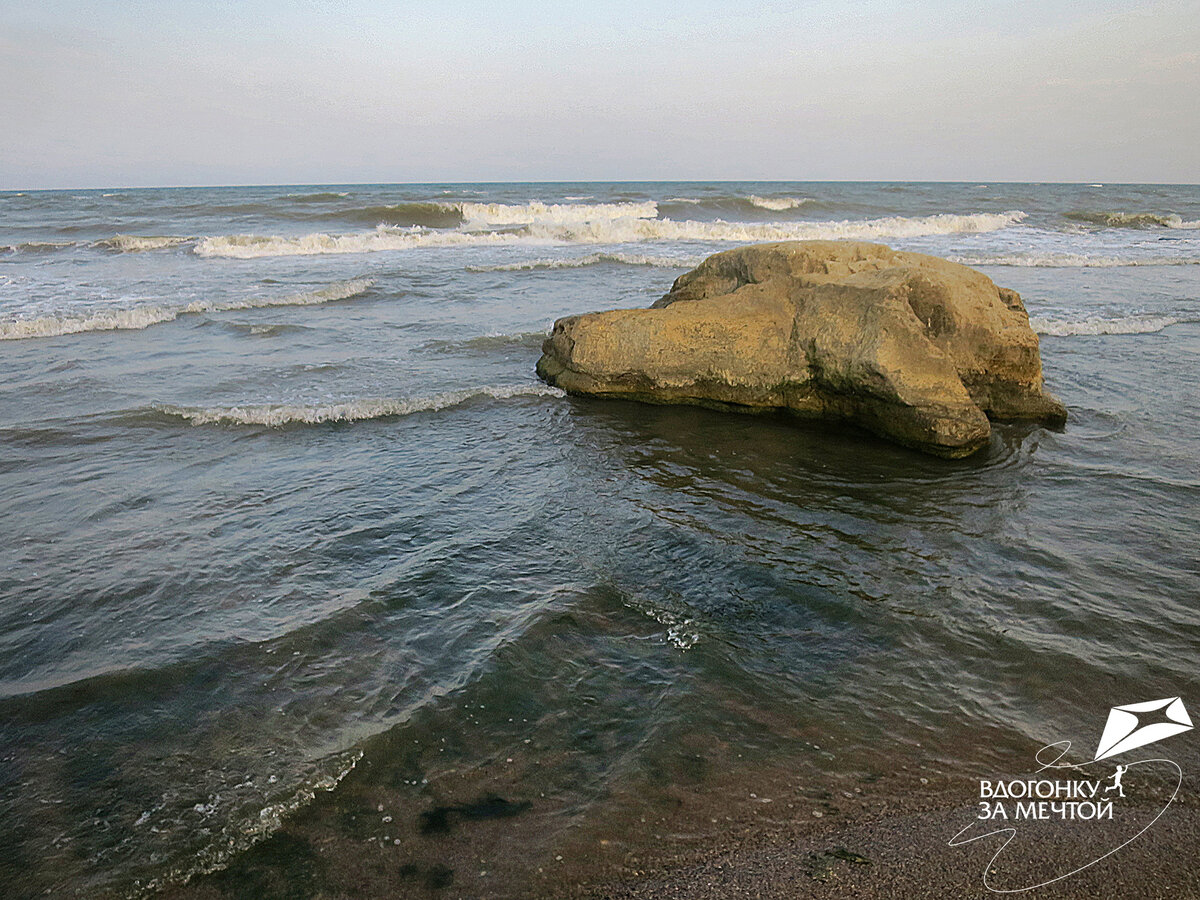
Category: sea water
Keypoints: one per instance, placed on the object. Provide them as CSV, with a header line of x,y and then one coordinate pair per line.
x,y
288,520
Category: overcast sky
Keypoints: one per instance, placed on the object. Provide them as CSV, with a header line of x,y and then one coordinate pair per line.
x,y
107,93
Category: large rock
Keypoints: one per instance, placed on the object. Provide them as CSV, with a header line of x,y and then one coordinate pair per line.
x,y
912,347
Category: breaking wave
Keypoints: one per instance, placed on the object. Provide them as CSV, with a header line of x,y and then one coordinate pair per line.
x,y
237,837
278,415
328,207
1131,220
555,227
119,243
778,204
1140,324
593,259
144,316
1071,260
535,212
38,247
133,243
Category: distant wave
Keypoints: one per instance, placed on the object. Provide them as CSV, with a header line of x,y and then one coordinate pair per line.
x,y
1131,220
593,259
278,415
1138,324
330,207
740,204
619,230
1071,260
318,197
145,316
430,214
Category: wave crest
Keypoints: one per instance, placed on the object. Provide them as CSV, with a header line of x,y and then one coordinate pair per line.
x,y
1111,219
488,343
536,212
1137,324
140,317
593,259
38,247
621,230
778,204
1072,260
135,243
118,243
427,214
278,415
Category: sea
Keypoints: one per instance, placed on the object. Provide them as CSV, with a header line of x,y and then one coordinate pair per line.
x,y
305,575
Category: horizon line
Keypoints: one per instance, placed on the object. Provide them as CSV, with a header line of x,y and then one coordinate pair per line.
x,y
558,181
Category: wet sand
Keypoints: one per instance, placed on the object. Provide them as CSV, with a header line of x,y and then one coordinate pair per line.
x,y
882,838
907,856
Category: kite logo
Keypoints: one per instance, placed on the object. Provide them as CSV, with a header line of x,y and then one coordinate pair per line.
x,y
1026,811
1125,731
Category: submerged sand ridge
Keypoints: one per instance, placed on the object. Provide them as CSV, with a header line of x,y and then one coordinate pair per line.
x,y
917,349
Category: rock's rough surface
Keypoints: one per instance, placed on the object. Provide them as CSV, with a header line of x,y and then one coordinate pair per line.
x,y
912,347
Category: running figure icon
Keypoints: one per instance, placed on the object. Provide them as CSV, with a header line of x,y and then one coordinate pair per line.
x,y
1116,785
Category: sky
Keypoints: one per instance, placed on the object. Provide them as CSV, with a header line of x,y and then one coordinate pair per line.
x,y
120,94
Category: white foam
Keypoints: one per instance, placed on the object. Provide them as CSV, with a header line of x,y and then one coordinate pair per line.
x,y
236,837
277,415
778,204
593,259
477,215
52,326
139,317
1141,324
635,230
249,246
1071,260
620,230
339,290
682,629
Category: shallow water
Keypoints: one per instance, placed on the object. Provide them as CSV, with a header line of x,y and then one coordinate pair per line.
x,y
279,509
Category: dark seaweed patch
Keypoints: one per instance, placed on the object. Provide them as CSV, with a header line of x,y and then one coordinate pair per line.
x,y
440,819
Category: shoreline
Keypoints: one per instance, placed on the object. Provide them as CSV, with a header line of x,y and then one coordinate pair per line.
x,y
889,840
